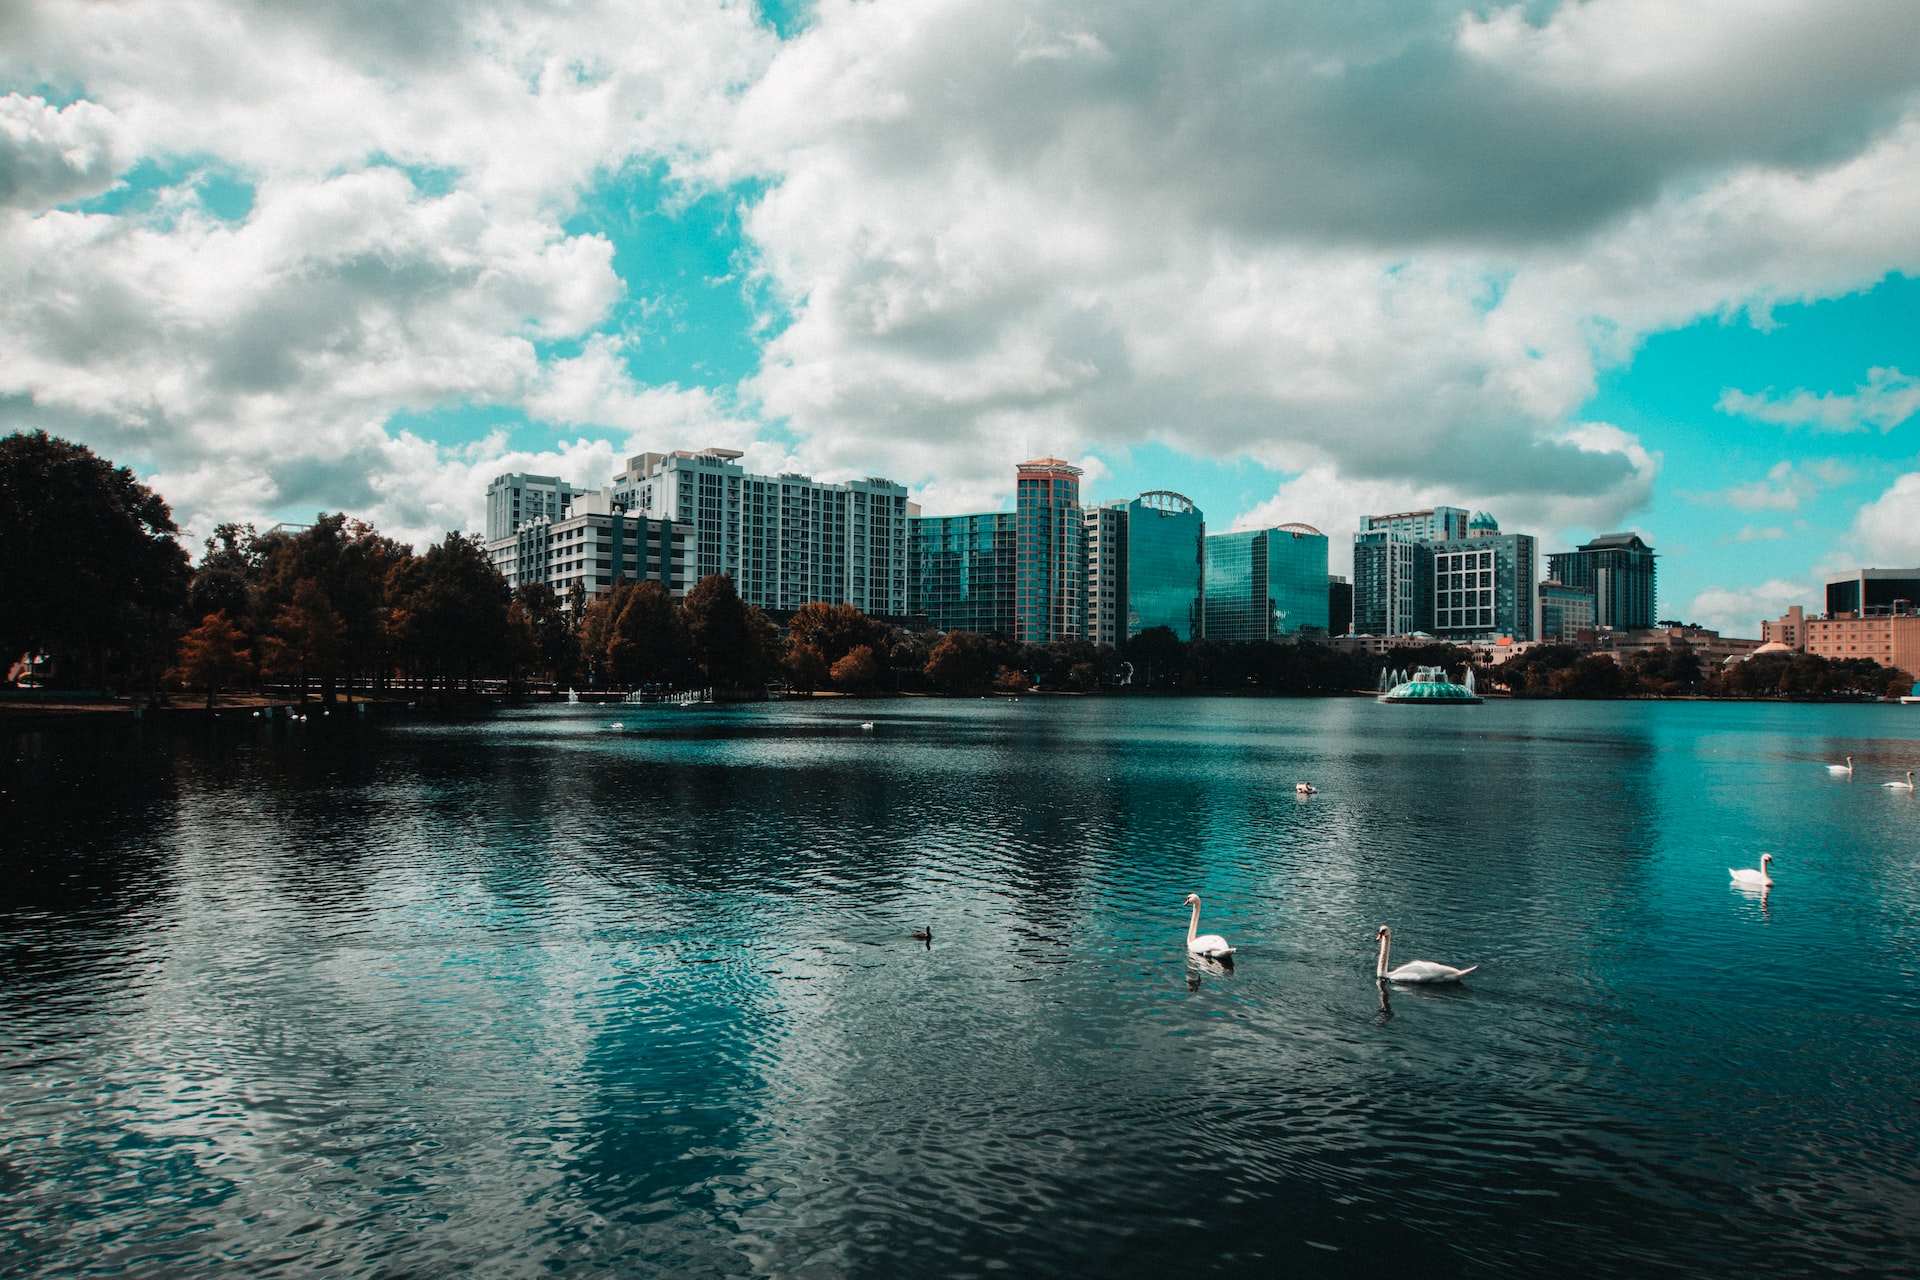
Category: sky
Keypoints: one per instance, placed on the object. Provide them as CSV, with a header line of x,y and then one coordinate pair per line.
x,y
1621,264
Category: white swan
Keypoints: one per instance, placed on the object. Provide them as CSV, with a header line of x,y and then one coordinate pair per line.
x,y
1842,770
1754,879
1901,786
866,726
1415,970
1210,945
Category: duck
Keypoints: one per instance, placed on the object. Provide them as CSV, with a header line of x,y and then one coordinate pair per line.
x,y
1305,789
1414,970
923,935
1842,770
1901,786
1752,879
1210,945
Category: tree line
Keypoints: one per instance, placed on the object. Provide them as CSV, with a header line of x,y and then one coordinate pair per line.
x,y
91,572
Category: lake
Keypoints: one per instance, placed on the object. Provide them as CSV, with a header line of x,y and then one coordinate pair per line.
x,y
631,989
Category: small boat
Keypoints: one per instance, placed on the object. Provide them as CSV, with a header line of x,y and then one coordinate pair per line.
x,y
1912,697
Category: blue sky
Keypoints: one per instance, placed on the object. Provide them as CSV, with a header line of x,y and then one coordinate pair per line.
x,y
1573,263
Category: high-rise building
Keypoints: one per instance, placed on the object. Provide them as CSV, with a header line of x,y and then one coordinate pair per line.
x,y
593,544
1166,564
1564,611
1433,524
517,497
786,540
1482,584
963,575
678,517
1107,573
1388,590
1619,570
1051,542
1869,593
1265,583
1339,605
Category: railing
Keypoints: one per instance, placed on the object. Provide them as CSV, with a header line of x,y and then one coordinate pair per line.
x,y
682,697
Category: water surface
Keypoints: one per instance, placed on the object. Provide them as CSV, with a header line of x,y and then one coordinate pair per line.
x,y
531,993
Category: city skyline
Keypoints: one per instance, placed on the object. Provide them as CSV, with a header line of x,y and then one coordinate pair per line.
x,y
1578,265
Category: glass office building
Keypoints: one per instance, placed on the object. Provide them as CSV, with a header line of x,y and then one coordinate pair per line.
x,y
962,571
1265,583
1050,538
1619,570
1388,592
1873,593
1166,563
1564,611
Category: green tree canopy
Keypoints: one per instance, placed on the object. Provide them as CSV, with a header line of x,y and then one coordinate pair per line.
x,y
90,570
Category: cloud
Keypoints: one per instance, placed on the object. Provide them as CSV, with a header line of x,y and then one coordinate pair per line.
x,y
1885,400
1383,249
1888,528
1390,253
1739,611
49,156
1760,533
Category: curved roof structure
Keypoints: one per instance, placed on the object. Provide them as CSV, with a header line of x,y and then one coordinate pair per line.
x,y
1297,527
1167,500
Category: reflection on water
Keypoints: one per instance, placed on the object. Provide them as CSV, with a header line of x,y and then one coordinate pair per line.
x,y
529,993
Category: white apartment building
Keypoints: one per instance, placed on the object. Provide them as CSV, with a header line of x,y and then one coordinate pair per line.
x,y
1107,572
518,497
785,540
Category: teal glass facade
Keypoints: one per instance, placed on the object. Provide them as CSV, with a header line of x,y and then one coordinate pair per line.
x,y
1263,583
961,571
1166,564
1050,536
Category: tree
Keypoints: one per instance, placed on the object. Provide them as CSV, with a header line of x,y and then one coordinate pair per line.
x,y
90,571
634,634
551,640
858,671
213,655
960,662
308,638
225,574
724,638
350,562
449,612
834,630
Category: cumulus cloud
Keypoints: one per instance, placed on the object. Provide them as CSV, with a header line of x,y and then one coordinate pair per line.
x,y
1739,611
1888,528
1885,400
1384,250
51,155
410,168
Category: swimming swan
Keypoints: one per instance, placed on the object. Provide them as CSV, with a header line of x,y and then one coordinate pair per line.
x,y
1842,770
1901,786
1416,970
1211,945
1751,878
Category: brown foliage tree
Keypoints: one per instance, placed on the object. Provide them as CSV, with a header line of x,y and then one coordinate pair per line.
x,y
307,640
858,671
212,655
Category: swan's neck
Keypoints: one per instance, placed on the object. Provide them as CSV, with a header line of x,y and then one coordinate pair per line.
x,y
1381,970
1193,925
